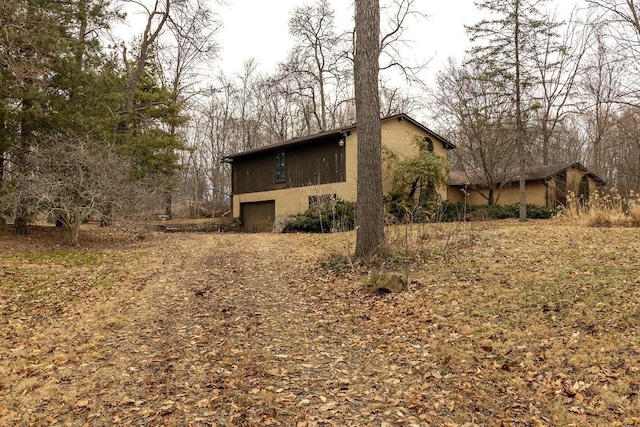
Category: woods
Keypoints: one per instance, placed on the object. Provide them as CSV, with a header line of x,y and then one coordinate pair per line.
x,y
121,124
538,85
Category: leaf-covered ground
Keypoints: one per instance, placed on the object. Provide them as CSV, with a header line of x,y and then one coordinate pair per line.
x,y
504,324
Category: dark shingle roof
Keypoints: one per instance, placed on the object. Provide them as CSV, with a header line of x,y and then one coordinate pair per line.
x,y
534,173
332,133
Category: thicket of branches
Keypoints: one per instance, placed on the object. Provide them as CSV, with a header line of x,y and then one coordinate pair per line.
x,y
153,101
578,92
578,102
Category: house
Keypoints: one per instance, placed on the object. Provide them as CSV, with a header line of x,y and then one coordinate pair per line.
x,y
545,186
272,183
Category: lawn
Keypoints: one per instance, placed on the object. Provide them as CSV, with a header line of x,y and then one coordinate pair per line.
x,y
503,324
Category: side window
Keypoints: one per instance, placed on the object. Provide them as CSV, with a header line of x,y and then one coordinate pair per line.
x,y
280,167
428,143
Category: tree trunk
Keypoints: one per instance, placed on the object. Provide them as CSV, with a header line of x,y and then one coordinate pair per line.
x,y
73,230
21,213
168,204
519,124
20,221
106,215
370,208
1,168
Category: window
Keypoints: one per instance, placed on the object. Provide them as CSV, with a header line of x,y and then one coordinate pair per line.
x,y
280,167
428,144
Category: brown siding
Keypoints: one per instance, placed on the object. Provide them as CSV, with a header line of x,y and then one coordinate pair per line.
x,y
310,164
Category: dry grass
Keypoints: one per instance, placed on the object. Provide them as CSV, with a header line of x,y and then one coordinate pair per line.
x,y
504,324
603,210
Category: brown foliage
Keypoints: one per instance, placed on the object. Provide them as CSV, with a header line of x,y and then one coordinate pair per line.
x,y
508,324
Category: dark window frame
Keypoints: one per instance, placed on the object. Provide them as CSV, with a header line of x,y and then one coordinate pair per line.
x,y
429,144
280,167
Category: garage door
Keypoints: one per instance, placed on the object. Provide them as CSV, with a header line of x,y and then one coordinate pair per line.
x,y
258,217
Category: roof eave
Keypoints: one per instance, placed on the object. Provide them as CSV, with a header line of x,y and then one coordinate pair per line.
x,y
286,144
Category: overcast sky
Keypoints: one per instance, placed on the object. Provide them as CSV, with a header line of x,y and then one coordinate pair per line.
x,y
259,29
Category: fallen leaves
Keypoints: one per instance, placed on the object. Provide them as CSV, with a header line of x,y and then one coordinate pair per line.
x,y
222,329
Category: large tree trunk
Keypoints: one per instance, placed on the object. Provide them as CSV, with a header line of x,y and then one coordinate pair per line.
x,y
19,158
520,141
1,168
20,221
370,208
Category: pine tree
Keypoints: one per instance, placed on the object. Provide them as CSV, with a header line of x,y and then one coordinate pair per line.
x,y
503,48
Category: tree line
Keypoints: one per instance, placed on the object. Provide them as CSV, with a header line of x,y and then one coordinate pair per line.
x,y
91,124
535,89
538,86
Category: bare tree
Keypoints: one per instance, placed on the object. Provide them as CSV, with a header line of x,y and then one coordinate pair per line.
x,y
370,209
248,95
557,59
396,17
189,47
601,91
72,177
317,60
626,145
481,115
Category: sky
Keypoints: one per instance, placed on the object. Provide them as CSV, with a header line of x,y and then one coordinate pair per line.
x,y
259,29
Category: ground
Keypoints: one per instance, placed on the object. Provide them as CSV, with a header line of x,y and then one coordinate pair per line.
x,y
503,324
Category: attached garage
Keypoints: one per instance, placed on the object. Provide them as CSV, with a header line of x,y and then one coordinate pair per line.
x,y
258,217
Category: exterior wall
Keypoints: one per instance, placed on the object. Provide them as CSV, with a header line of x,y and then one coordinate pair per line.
x,y
541,193
536,194
574,175
508,195
319,162
399,135
455,194
292,201
396,134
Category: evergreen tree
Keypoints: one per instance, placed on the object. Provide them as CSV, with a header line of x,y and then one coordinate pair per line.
x,y
34,37
503,46
149,137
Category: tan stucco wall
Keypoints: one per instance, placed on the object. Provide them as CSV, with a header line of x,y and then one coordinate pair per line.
x,y
574,176
508,195
398,135
455,194
536,194
292,201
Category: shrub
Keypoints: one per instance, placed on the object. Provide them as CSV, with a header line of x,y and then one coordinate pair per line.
x,y
399,209
336,216
460,211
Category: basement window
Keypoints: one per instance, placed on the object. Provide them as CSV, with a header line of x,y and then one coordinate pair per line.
x,y
280,167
